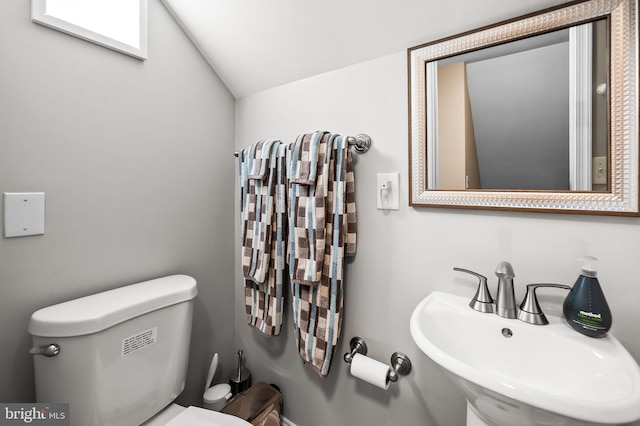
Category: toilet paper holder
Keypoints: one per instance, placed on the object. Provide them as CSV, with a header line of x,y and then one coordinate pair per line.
x,y
400,363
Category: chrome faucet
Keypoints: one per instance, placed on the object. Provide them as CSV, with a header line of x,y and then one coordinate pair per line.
x,y
505,305
506,299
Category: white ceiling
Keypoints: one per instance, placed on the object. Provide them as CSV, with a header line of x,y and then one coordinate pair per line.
x,y
254,45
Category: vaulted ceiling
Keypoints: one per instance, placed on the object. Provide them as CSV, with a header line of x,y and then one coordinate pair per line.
x,y
254,45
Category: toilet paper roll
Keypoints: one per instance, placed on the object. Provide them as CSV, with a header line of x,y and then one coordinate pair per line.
x,y
370,370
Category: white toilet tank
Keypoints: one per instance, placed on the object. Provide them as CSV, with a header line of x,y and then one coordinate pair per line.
x,y
123,353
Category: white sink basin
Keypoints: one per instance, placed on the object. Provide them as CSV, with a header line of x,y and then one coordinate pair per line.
x,y
539,375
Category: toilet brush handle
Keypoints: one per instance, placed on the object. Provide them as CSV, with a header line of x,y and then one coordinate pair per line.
x,y
239,365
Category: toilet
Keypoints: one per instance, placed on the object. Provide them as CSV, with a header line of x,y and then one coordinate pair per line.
x,y
120,357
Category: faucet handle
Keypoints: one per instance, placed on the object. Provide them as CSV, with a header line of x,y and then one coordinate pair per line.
x,y
530,309
482,301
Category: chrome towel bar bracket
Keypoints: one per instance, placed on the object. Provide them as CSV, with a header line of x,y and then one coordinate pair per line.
x,y
361,143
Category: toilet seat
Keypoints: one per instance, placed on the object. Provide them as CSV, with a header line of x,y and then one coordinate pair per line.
x,y
194,416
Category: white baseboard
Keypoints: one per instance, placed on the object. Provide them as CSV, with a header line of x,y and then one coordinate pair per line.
x,y
287,422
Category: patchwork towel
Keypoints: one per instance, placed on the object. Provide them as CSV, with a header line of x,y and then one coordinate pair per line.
x,y
308,177
259,158
322,217
263,219
304,157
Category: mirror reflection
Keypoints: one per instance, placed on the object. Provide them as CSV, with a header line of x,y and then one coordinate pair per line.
x,y
531,114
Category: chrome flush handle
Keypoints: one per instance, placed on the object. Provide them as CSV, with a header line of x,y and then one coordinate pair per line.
x,y
49,350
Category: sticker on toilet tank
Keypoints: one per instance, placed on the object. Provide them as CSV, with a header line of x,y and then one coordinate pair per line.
x,y
139,341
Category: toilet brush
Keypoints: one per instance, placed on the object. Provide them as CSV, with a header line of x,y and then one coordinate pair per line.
x,y
240,378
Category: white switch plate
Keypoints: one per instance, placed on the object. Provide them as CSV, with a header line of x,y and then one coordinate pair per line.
x,y
23,214
388,191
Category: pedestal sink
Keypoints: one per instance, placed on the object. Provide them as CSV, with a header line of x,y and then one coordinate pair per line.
x,y
513,373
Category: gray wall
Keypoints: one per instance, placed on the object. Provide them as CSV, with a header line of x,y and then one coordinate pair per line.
x,y
404,255
135,159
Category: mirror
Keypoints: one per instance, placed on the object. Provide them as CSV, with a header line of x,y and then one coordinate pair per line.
x,y
120,25
535,113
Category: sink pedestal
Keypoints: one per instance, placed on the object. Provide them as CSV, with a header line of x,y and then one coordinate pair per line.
x,y
472,418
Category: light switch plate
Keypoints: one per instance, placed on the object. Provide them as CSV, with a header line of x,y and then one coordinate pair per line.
x,y
23,214
388,191
599,171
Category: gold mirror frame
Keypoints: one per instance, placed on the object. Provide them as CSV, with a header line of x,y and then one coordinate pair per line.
x,y
622,196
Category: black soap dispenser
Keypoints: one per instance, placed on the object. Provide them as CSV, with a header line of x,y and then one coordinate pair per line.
x,y
586,308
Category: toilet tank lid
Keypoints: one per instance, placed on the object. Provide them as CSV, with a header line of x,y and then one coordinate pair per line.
x,y
100,311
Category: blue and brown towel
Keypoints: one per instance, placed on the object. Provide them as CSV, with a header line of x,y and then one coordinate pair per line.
x,y
322,230
308,175
263,217
311,212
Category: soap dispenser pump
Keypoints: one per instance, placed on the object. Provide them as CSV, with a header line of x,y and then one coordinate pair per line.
x,y
586,308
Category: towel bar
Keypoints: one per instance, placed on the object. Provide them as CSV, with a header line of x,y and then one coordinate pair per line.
x,y
361,143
